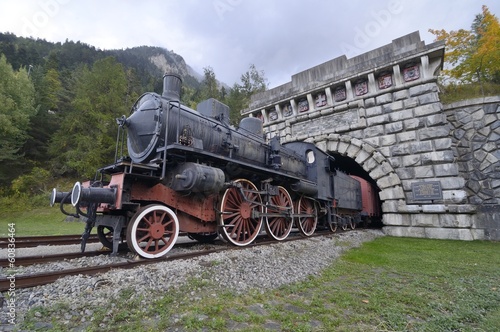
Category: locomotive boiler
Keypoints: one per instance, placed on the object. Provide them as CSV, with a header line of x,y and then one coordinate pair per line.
x,y
190,171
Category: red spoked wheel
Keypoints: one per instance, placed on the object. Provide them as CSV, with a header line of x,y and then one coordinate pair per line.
x,y
309,219
238,224
279,227
152,231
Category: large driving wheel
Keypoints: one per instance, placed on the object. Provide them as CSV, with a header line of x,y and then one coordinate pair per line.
x,y
307,224
279,227
152,231
238,226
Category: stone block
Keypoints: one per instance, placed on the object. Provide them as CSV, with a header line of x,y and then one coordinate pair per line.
x,y
419,147
433,208
434,132
388,140
394,127
376,120
384,99
428,98
436,119
424,220
422,172
392,193
352,151
374,131
453,182
332,145
443,143
374,111
362,156
437,157
455,220
390,207
429,109
455,196
399,95
373,141
410,208
405,173
369,102
401,115
396,219
448,233
406,136
410,102
414,123
411,160
418,232
423,88
446,170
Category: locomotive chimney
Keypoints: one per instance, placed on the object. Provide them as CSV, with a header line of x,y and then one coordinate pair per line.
x,y
172,86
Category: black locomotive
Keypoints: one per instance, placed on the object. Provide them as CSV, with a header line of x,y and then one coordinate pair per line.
x,y
191,171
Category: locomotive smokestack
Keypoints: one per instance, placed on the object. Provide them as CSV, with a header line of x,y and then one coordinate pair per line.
x,y
172,86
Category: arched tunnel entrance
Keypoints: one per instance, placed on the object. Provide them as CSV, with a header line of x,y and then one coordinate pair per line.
x,y
351,167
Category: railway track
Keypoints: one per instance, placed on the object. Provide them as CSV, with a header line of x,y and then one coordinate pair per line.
x,y
52,240
32,280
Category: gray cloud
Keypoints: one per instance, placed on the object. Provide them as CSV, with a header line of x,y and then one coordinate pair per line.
x,y
279,37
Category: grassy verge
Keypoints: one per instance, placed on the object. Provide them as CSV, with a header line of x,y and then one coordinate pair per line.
x,y
39,221
390,284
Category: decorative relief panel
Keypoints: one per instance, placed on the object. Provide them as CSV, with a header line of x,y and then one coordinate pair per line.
x,y
320,99
303,105
361,88
384,81
340,94
273,115
287,110
411,73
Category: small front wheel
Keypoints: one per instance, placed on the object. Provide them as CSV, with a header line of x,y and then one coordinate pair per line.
x,y
152,231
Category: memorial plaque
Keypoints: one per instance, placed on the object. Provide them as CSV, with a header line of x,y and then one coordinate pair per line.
x,y
425,191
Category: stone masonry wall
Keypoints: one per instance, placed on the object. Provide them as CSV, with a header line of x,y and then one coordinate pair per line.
x,y
382,110
476,141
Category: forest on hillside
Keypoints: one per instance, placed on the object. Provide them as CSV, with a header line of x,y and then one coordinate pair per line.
x,y
59,102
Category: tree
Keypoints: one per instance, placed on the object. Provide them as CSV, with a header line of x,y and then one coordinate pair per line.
x,y
86,138
473,54
16,109
252,81
210,87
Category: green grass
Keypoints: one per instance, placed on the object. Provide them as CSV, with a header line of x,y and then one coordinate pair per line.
x,y
39,221
389,284
458,92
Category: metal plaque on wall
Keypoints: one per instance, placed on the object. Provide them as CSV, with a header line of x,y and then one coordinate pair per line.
x,y
428,190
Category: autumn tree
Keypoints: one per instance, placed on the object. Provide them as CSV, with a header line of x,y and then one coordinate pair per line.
x,y
474,55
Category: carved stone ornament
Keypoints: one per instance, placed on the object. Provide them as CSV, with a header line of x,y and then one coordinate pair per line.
x,y
361,88
303,105
384,81
340,94
320,99
287,110
411,73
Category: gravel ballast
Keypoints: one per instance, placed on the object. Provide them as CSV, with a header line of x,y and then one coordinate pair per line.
x,y
238,271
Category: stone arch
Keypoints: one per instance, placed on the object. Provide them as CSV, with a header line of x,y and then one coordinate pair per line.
x,y
371,160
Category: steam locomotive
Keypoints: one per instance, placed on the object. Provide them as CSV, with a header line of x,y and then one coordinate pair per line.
x,y
190,171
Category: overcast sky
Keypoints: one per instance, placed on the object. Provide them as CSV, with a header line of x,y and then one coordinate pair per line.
x,y
280,37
